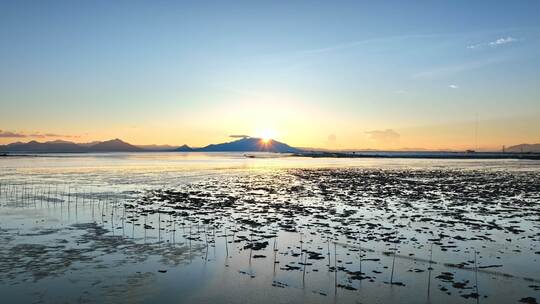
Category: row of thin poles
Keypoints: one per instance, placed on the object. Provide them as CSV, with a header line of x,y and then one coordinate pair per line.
x,y
31,195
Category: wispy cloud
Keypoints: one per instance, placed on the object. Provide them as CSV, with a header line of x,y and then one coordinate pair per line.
x,y
352,44
453,86
502,41
474,46
495,43
239,136
10,134
44,135
447,70
387,136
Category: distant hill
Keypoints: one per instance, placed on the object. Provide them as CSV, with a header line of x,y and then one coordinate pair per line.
x,y
115,145
526,148
88,144
184,148
46,147
158,148
59,146
248,144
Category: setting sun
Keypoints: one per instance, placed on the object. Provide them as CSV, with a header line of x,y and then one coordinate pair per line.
x,y
267,134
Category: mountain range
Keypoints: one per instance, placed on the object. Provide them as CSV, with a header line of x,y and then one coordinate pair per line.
x,y
245,144
60,146
249,144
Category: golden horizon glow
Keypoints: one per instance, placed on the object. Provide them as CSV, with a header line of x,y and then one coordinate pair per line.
x,y
309,131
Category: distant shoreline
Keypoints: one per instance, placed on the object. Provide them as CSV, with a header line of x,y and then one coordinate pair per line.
x,y
370,154
422,155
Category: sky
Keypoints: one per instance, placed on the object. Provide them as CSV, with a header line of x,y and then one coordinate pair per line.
x,y
330,74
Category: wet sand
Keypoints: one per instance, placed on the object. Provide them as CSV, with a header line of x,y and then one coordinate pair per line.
x,y
448,234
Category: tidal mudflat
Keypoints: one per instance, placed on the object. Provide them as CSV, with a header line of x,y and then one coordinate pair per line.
x,y
226,229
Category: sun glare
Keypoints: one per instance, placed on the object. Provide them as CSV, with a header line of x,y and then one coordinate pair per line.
x,y
266,135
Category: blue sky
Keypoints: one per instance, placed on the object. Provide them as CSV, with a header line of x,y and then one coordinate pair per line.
x,y
327,74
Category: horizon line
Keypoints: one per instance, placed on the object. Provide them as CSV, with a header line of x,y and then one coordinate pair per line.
x,y
306,149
